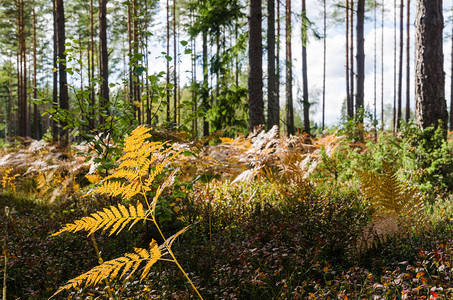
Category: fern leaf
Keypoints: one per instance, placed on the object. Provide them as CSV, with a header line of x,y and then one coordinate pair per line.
x,y
390,196
171,239
116,218
111,268
155,254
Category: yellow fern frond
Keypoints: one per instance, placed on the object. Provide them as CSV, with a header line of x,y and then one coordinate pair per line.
x,y
115,218
390,196
111,268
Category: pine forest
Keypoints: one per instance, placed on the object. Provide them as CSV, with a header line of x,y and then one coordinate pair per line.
x,y
226,149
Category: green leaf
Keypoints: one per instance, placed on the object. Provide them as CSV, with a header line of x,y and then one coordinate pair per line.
x,y
139,70
184,43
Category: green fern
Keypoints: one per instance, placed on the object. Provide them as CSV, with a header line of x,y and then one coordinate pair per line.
x,y
141,163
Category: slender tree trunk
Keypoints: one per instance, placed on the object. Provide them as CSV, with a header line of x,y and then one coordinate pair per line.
x,y
24,125
394,69
168,61
277,88
103,59
382,67
36,134
408,62
273,105
304,70
11,122
54,124
375,70
255,81
324,63
360,60
63,85
130,38
431,107
92,115
400,70
175,67
351,57
136,80
451,82
289,75
349,99
205,89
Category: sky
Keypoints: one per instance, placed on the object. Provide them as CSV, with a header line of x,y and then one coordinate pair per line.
x,y
335,73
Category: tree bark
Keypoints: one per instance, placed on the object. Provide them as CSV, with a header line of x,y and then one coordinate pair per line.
x,y
304,70
451,83
408,62
431,108
168,61
36,122
360,59
103,58
63,84
349,98
205,89
400,70
351,57
324,63
175,67
273,105
255,81
289,73
382,66
54,124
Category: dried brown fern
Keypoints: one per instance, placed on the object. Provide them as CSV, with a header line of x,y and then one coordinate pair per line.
x,y
142,162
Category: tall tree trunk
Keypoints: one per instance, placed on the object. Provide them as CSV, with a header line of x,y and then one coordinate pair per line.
x,y
11,122
289,74
304,70
451,83
277,74
130,38
255,81
136,81
24,125
205,89
273,105
394,69
36,134
351,57
168,61
92,114
175,67
103,59
382,66
324,63
54,124
360,59
375,70
400,70
408,62
349,99
431,108
61,39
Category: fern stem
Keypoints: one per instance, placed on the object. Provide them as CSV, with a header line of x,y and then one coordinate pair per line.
x,y
175,260
100,261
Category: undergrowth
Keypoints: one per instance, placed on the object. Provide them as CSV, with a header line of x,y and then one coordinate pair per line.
x,y
290,231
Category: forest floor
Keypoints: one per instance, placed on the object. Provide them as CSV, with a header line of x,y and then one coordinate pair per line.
x,y
271,218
